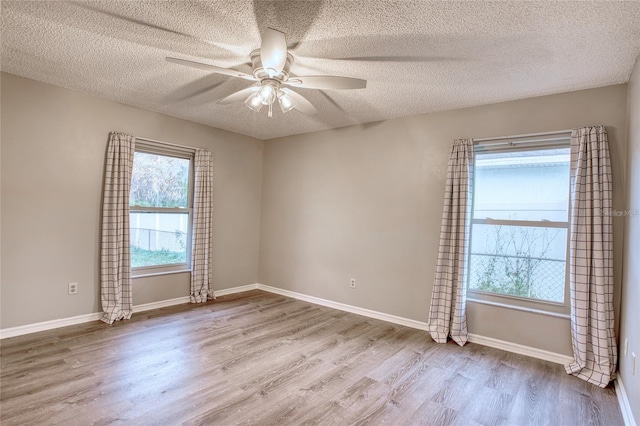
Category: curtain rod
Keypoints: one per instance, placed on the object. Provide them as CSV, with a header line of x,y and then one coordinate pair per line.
x,y
527,135
544,141
175,145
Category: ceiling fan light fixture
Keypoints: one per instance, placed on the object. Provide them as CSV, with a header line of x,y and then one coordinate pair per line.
x,y
286,103
254,101
267,94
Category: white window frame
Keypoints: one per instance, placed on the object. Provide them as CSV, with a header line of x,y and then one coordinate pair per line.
x,y
168,150
529,143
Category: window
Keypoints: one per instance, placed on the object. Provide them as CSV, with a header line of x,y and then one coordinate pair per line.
x,y
160,211
519,225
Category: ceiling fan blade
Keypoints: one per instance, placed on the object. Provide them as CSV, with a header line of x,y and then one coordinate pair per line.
x,y
179,94
273,52
302,104
239,95
161,41
394,59
326,82
212,68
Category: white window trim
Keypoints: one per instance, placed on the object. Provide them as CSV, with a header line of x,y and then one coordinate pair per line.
x,y
178,151
541,141
522,308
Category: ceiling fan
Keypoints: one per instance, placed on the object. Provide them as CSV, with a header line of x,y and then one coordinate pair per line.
x,y
271,64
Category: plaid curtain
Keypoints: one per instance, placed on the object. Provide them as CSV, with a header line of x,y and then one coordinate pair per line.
x,y
115,258
447,313
201,251
591,258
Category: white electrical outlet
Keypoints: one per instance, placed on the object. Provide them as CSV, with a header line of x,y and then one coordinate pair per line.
x,y
73,288
626,347
352,283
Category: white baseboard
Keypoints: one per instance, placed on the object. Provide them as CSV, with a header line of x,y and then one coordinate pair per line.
x,y
420,325
48,325
161,304
234,290
623,401
347,308
80,319
520,349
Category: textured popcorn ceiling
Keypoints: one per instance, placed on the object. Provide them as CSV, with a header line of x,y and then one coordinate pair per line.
x,y
417,56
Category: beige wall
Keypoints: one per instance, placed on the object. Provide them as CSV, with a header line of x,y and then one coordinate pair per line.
x,y
366,202
630,314
53,147
363,201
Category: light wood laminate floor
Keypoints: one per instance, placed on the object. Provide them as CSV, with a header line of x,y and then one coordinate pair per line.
x,y
257,358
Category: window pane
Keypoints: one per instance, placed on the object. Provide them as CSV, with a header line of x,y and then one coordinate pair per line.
x,y
522,185
158,238
159,181
520,261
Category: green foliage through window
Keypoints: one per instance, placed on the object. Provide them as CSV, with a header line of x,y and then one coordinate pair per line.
x,y
159,181
141,257
516,262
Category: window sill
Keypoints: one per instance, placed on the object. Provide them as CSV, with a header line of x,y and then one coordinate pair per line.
x,y
155,274
520,308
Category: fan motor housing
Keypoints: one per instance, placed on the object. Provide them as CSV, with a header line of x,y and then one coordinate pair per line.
x,y
260,73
